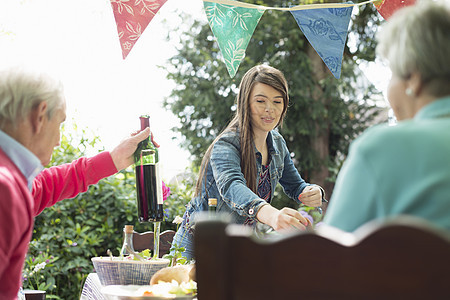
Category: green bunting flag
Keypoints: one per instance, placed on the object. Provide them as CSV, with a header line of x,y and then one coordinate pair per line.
x,y
233,28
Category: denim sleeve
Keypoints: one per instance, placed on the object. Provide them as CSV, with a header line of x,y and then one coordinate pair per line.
x,y
232,186
291,181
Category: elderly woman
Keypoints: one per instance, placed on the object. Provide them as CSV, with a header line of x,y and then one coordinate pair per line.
x,y
404,169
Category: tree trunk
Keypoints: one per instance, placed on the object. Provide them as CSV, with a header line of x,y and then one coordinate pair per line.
x,y
320,141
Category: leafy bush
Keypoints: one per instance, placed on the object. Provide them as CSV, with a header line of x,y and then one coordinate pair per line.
x,y
75,230
33,277
175,205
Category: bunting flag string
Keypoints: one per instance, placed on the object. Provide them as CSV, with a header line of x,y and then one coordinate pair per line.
x,y
228,20
296,7
325,25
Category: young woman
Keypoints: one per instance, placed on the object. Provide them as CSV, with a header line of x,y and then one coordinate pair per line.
x,y
245,162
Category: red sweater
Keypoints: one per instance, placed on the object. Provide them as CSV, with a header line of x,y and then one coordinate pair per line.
x,y
19,206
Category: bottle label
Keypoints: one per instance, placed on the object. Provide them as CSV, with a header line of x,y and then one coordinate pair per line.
x,y
146,157
149,193
158,184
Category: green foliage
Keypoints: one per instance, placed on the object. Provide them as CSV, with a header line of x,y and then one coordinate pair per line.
x,y
35,263
75,230
175,204
177,256
324,113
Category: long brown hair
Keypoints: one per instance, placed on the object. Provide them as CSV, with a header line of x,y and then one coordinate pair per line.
x,y
241,121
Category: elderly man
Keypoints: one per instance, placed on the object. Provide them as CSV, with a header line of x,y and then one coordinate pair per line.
x,y
32,108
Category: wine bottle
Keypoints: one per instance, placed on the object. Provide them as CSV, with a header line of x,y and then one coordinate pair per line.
x,y
148,179
127,247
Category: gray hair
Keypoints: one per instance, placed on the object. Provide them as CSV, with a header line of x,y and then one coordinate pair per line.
x,y
417,39
22,90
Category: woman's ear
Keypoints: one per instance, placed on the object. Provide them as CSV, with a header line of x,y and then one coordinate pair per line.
x,y
38,117
414,83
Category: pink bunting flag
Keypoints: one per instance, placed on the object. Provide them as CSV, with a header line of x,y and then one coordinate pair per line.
x,y
386,8
132,17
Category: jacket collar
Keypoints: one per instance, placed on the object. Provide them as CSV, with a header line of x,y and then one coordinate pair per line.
x,y
24,159
439,108
270,144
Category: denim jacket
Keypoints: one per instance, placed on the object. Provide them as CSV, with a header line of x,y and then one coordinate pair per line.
x,y
225,180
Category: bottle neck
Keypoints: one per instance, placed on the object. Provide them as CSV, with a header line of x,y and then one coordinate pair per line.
x,y
128,238
127,247
145,122
146,152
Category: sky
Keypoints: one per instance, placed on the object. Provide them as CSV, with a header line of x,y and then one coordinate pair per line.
x,y
77,42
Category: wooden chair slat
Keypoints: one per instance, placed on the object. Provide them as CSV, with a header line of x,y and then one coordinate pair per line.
x,y
144,240
399,259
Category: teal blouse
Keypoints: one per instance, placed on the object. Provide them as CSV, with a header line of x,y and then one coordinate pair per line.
x,y
393,170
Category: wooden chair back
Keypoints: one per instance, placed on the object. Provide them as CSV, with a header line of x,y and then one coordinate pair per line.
x,y
142,241
401,259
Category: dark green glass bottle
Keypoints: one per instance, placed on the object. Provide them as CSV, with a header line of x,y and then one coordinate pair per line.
x,y
148,179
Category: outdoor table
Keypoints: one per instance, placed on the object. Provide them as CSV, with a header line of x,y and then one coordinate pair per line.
x,y
91,288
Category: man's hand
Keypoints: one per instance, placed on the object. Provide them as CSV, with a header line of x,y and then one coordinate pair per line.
x,y
122,154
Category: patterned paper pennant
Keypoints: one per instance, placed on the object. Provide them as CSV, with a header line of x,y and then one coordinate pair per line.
x,y
387,7
326,30
132,17
233,28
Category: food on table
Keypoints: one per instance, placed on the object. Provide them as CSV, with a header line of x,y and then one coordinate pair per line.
x,y
169,289
179,273
145,254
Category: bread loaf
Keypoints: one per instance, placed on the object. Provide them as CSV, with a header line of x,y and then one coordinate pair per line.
x,y
180,273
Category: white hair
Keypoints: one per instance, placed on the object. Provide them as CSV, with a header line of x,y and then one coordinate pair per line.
x,y
22,90
417,39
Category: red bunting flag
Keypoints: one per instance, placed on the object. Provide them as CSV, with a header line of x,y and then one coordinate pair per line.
x,y
132,17
386,8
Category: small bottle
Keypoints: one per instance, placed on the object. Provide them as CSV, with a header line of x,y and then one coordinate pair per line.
x,y
127,247
212,205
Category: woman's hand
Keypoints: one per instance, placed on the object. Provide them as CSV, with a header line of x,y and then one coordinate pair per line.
x,y
122,154
311,196
281,220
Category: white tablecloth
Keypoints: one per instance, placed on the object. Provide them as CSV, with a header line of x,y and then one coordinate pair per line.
x,y
91,288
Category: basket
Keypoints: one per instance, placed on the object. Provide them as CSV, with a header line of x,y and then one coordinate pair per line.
x,y
117,271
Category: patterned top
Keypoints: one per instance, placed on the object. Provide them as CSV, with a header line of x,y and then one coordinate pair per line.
x,y
264,189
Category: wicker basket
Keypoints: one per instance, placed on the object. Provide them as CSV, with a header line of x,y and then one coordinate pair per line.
x,y
117,271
